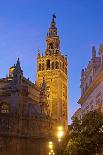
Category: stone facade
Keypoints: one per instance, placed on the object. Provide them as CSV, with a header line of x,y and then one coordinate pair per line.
x,y
30,112
53,67
24,121
92,84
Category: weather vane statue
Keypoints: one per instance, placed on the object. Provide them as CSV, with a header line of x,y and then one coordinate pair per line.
x,y
54,16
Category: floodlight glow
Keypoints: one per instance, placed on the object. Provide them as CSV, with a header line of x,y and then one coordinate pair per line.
x,y
60,128
50,145
52,151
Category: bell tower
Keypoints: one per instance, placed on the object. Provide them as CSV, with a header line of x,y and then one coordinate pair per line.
x,y
52,39
53,67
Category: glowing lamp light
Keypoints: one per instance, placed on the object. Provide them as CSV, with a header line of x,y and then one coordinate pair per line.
x,y
59,139
60,132
60,128
52,151
50,145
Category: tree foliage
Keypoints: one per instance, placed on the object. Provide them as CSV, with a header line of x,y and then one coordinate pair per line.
x,y
86,137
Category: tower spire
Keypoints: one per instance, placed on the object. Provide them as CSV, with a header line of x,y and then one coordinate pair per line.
x,y
53,23
52,30
18,68
52,39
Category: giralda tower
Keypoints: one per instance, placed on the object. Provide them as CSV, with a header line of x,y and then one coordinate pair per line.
x,y
53,68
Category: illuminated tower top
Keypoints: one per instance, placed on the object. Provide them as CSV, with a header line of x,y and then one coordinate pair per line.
x,y
52,68
52,39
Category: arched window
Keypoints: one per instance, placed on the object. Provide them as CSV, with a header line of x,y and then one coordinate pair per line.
x,y
4,107
52,65
51,46
42,66
56,64
48,64
39,67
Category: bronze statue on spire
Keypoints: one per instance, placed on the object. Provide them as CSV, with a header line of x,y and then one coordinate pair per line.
x,y
54,16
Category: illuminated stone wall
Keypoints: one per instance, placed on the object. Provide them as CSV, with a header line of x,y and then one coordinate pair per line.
x,y
53,67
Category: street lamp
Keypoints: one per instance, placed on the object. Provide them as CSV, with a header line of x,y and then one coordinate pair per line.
x,y
60,135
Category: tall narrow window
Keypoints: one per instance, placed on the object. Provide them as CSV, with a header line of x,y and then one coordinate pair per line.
x,y
39,67
56,64
51,46
52,65
48,64
42,66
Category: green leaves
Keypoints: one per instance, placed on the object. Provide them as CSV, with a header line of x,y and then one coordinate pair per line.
x,y
86,137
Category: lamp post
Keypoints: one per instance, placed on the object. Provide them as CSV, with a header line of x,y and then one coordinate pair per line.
x,y
60,135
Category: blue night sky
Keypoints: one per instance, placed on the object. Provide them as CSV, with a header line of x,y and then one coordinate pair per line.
x,y
23,28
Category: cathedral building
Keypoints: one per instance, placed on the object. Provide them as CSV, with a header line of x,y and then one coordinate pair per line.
x,y
91,85
53,67
24,121
30,112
